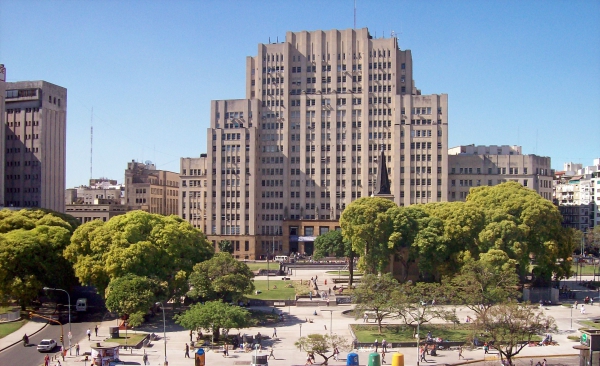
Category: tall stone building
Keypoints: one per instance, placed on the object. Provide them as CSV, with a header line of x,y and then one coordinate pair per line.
x,y
319,109
151,190
473,166
2,131
35,145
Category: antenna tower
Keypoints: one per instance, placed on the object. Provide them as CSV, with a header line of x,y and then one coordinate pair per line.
x,y
92,144
354,14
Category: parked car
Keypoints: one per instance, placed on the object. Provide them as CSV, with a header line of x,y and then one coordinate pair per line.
x,y
46,345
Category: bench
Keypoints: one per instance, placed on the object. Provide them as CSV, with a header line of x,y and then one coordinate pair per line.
x,y
279,303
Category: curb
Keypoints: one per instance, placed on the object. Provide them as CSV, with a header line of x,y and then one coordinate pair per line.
x,y
20,341
484,360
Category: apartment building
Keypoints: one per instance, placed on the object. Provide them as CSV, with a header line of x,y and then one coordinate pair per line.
x,y
34,145
193,193
2,131
473,166
151,190
319,109
97,189
576,191
100,209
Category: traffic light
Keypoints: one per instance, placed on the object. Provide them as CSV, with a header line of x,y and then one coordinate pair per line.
x,y
61,338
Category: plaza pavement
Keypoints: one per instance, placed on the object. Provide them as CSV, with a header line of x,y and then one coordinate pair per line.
x,y
289,331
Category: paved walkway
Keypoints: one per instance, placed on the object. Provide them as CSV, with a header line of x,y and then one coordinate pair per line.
x,y
288,332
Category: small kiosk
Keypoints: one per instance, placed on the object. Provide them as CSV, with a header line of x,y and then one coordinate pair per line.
x,y
589,347
104,353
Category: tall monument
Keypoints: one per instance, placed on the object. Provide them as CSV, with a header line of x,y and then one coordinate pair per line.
x,y
382,186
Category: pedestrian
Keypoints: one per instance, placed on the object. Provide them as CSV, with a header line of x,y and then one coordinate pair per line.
x,y
58,363
422,352
383,356
145,358
187,351
308,360
485,348
310,295
545,363
582,309
365,318
274,332
384,345
191,335
47,360
376,345
460,352
327,301
330,291
336,353
592,301
62,352
77,349
89,334
271,354
96,330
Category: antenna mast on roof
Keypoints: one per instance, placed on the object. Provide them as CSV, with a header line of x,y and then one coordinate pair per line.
x,y
354,14
92,144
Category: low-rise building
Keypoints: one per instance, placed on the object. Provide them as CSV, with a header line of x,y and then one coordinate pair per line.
x,y
151,190
473,166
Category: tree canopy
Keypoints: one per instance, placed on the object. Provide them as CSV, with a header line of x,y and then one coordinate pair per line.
x,y
333,242
139,243
366,224
221,277
131,294
322,344
31,252
375,295
214,315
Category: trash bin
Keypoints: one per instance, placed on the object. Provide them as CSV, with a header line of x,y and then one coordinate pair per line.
x,y
352,359
114,332
374,359
398,359
200,357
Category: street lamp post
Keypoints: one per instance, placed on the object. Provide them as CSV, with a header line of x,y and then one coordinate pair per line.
x,y
571,317
69,308
330,321
164,330
300,336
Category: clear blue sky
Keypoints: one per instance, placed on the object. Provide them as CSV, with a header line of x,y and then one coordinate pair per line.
x,y
516,72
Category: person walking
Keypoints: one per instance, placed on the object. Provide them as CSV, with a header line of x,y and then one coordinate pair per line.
x,y
376,345
271,354
384,345
422,352
145,358
485,348
365,318
460,350
191,335
383,356
187,350
47,360
274,332
336,353
89,334
77,349
582,309
96,330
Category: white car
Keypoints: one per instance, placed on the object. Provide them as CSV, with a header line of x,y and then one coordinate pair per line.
x,y
46,345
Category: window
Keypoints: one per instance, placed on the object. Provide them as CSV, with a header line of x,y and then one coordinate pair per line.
x,y
309,231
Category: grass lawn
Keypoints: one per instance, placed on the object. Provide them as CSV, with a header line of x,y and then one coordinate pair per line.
x,y
586,269
589,324
280,293
255,266
400,333
8,328
132,338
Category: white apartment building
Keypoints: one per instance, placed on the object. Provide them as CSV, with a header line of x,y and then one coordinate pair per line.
x,y
577,194
473,166
320,106
35,123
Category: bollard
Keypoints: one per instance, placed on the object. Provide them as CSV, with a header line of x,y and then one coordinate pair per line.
x,y
398,359
374,359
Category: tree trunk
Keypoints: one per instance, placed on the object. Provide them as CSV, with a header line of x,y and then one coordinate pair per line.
x,y
216,333
351,269
379,320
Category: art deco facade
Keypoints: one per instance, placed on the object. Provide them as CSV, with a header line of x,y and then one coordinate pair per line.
x,y
319,109
473,166
35,145
2,131
151,190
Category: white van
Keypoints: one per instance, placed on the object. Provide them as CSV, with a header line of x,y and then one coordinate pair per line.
x,y
281,258
81,304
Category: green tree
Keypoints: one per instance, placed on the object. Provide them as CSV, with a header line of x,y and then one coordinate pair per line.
x,y
511,326
322,344
221,277
366,224
418,304
333,242
406,223
212,316
132,294
374,295
483,283
31,247
140,243
592,239
521,223
226,246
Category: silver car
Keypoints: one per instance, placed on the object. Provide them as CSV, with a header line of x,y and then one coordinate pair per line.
x,y
46,345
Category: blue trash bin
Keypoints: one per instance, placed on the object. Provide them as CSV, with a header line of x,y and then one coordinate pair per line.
x,y
352,359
